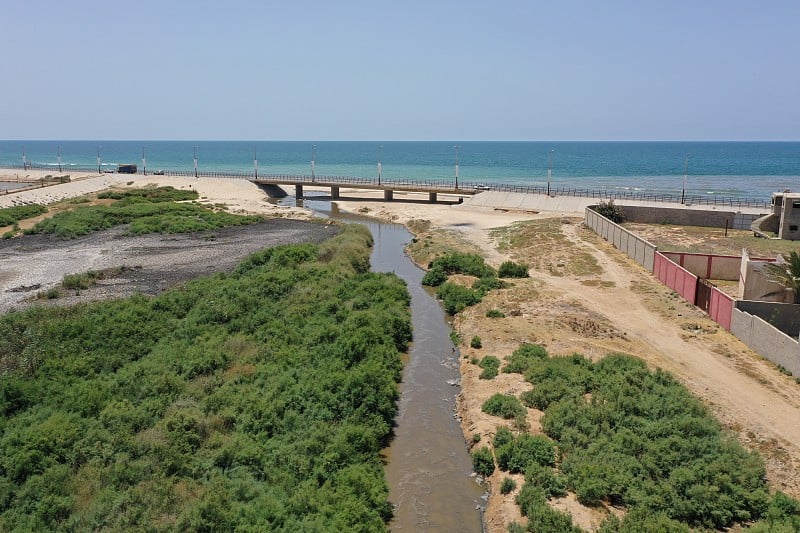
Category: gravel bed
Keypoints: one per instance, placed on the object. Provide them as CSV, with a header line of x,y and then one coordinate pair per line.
x,y
32,264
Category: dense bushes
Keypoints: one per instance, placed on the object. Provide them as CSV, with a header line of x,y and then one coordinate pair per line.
x,y
611,211
490,364
634,438
12,215
510,269
151,210
483,461
456,297
504,406
257,400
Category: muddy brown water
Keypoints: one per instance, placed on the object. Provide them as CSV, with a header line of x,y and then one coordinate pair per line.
x,y
428,467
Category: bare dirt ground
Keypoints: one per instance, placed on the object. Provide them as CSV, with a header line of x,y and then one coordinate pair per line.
x,y
585,296
148,264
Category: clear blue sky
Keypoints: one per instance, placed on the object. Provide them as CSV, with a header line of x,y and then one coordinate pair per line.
x,y
417,70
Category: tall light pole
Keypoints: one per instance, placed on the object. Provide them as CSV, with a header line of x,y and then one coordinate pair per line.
x,y
194,151
59,158
685,171
255,159
549,170
24,159
98,160
313,161
144,162
380,169
456,147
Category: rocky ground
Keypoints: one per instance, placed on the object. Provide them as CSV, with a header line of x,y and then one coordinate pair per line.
x,y
35,264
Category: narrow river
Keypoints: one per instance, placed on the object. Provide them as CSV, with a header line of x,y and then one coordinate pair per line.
x,y
428,467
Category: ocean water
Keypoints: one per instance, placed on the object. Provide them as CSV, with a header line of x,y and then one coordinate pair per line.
x,y
730,169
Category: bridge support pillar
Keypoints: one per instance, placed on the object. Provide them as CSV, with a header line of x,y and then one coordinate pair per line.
x,y
298,190
432,197
334,193
388,195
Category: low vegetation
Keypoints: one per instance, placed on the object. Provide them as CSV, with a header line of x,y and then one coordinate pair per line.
x,y
252,401
617,433
611,211
456,297
149,210
490,365
11,215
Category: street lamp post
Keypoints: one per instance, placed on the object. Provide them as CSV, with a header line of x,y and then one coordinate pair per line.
x,y
685,170
313,161
549,170
380,169
24,159
456,147
59,158
255,160
194,152
144,162
98,160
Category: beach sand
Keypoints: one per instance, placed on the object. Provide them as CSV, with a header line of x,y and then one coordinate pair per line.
x,y
614,306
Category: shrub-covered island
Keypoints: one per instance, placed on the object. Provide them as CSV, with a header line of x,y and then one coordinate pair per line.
x,y
252,401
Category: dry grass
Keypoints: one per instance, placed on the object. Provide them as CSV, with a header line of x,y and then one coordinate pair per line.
x,y
546,248
430,243
695,239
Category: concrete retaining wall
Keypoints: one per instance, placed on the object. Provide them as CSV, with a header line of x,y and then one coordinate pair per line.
x,y
688,217
637,248
770,342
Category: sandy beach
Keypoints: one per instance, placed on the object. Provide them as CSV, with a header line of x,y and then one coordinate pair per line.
x,y
614,307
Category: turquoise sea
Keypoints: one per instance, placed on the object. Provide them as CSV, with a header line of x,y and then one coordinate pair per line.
x,y
730,169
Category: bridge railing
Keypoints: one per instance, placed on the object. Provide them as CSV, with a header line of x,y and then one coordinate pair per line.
x,y
444,185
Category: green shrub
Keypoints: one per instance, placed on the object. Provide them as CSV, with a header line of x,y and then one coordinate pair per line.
x,y
495,313
461,263
483,462
490,364
456,298
502,437
510,269
503,406
488,283
475,342
80,281
524,451
434,277
507,485
612,212
523,357
546,478
455,337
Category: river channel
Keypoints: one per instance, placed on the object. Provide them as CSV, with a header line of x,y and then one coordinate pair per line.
x,y
427,464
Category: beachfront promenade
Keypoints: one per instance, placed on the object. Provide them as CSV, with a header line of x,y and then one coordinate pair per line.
x,y
436,187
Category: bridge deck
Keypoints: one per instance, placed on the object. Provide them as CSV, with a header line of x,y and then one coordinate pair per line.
x,y
359,183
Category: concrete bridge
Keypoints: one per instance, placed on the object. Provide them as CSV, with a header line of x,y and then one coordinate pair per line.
x,y
433,188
